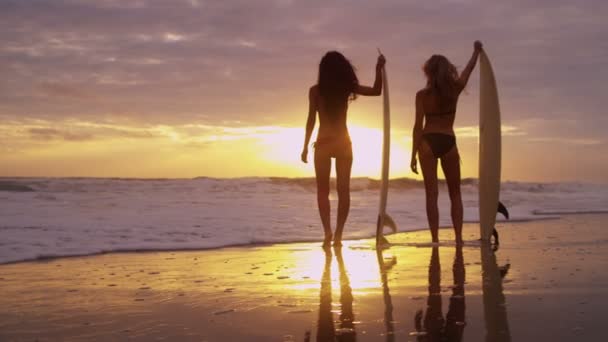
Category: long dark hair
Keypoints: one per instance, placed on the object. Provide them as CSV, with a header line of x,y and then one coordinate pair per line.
x,y
442,78
337,81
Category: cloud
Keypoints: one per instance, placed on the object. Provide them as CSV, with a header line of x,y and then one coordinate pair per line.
x,y
24,132
173,63
64,90
32,131
567,141
246,60
473,131
171,37
54,134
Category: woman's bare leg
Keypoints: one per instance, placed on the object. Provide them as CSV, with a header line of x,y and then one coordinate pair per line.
x,y
343,168
450,163
322,171
428,163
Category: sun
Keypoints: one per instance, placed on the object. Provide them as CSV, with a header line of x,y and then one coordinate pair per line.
x,y
282,146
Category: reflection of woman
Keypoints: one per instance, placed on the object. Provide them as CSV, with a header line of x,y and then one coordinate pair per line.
x,y
437,328
455,317
325,327
436,107
347,316
337,85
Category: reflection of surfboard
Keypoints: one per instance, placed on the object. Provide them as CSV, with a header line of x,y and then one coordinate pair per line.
x,y
385,266
489,148
494,308
383,218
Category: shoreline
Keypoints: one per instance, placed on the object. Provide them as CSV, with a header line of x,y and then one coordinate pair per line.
x,y
572,181
548,269
44,258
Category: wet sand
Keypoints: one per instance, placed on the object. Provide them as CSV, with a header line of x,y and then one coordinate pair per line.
x,y
547,282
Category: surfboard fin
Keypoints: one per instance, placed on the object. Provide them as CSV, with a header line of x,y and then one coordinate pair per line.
x,y
381,241
388,221
503,210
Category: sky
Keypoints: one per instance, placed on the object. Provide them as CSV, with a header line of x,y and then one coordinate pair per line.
x,y
186,88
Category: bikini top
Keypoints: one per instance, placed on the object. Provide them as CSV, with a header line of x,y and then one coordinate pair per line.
x,y
449,112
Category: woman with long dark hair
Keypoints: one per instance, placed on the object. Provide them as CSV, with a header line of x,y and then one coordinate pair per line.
x,y
337,85
436,107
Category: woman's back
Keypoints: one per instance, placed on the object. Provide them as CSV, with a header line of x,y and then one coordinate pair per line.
x,y
439,111
332,121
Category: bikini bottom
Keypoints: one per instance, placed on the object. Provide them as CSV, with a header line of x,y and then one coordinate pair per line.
x,y
333,147
440,143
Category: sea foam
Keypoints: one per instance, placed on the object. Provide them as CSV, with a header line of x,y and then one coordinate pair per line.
x,y
42,217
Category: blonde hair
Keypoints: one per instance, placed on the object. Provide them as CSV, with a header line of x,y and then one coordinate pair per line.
x,y
442,78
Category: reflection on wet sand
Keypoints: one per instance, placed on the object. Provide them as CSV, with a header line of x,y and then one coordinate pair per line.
x,y
494,304
385,266
325,327
430,324
263,293
433,327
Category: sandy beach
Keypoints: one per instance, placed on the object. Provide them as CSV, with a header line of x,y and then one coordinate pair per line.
x,y
169,171
545,283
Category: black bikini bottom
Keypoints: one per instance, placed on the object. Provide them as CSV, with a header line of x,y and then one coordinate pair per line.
x,y
440,143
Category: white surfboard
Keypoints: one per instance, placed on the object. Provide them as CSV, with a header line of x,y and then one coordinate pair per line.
x,y
383,218
489,148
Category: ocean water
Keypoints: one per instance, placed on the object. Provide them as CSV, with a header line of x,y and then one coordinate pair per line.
x,y
42,217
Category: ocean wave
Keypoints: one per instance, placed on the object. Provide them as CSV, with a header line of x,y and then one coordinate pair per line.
x,y
366,183
80,216
81,184
570,212
12,186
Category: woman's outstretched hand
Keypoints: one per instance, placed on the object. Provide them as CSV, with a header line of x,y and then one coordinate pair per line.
x,y
477,46
304,155
414,165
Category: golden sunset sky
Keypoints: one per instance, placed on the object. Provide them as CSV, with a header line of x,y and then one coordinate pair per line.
x,y
219,88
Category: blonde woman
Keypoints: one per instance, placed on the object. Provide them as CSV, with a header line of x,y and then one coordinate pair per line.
x,y
434,137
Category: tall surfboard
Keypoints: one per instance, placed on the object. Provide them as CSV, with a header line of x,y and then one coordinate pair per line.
x,y
489,148
383,218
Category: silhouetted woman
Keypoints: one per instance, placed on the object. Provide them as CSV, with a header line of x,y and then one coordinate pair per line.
x,y
436,107
336,86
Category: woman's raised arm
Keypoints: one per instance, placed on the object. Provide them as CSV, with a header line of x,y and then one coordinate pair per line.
x,y
466,73
377,88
